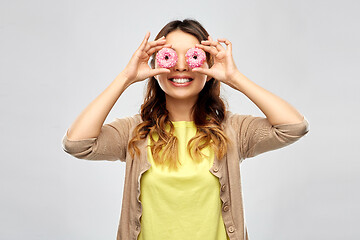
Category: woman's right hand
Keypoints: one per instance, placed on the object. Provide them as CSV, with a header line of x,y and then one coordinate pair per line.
x,y
138,68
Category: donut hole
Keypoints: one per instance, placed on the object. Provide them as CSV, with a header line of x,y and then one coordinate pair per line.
x,y
166,57
195,57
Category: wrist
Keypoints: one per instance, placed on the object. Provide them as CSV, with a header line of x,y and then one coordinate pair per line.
x,y
123,80
237,80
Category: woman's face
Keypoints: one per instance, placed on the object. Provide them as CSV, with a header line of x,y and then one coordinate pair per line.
x,y
181,42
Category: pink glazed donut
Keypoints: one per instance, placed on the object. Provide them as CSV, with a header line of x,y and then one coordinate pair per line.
x,y
166,58
195,57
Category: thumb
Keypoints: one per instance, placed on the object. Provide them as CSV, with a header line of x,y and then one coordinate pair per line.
x,y
205,71
158,71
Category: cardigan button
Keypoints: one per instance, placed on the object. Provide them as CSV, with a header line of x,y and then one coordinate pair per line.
x,y
226,208
216,169
231,229
223,187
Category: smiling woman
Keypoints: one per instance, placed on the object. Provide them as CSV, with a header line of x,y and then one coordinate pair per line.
x,y
181,86
183,150
187,96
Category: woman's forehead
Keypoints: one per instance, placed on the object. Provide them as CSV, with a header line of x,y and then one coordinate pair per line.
x,y
181,41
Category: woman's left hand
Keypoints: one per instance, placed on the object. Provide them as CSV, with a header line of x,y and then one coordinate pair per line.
x,y
224,68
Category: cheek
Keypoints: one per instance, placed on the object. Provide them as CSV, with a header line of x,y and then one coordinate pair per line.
x,y
162,81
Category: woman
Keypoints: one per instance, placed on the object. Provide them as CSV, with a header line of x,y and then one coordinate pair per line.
x,y
183,151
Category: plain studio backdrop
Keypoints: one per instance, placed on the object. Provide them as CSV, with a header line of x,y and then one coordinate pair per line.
x,y
58,56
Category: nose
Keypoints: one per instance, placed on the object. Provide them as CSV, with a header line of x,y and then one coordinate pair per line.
x,y
181,64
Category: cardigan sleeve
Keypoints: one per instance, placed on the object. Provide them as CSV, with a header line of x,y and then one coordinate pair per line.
x,y
256,135
111,144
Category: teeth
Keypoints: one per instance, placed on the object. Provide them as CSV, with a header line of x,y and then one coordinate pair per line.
x,y
180,80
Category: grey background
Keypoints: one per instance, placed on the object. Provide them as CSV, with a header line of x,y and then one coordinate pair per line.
x,y
57,56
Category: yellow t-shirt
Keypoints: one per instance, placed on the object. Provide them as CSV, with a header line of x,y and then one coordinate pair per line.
x,y
182,204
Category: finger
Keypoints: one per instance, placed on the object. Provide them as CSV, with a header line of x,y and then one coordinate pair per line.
x,y
205,71
157,48
143,43
157,71
215,44
151,44
211,50
227,42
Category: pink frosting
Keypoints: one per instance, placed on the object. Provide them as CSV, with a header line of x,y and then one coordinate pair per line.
x,y
195,57
166,58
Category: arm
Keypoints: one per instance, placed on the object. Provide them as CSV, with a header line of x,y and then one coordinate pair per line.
x,y
276,109
88,124
284,124
224,69
88,138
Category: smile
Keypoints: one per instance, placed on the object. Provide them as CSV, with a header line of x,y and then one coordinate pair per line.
x,y
181,80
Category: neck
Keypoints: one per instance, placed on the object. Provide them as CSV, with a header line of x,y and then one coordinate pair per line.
x,y
179,109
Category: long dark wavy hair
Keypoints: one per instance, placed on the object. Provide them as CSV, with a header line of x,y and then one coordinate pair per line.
x,y
208,112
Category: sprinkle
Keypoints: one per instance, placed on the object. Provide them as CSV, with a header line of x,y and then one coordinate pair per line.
x,y
166,58
195,57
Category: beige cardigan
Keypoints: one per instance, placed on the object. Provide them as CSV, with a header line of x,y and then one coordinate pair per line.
x,y
250,135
